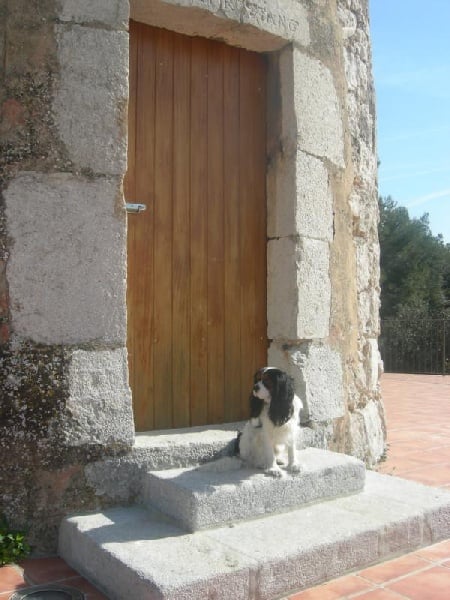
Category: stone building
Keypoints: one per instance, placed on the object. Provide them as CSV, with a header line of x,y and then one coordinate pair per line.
x,y
248,128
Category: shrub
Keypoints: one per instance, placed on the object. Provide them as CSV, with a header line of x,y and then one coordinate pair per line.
x,y
12,544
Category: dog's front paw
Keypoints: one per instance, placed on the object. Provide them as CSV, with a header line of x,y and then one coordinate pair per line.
x,y
275,472
295,468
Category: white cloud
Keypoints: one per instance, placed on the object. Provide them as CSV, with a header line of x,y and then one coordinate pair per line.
x,y
426,82
429,75
427,198
412,134
413,172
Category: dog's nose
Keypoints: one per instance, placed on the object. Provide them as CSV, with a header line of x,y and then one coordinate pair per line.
x,y
256,387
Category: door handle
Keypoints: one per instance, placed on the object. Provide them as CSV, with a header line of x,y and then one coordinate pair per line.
x,y
135,207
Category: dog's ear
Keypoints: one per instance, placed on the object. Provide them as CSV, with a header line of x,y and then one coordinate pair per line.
x,y
256,406
281,402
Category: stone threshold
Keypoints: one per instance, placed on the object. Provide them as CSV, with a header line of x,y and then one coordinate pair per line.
x,y
169,448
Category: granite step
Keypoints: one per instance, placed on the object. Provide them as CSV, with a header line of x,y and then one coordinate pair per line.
x,y
225,491
136,553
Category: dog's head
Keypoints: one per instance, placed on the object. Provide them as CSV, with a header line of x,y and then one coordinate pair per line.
x,y
275,388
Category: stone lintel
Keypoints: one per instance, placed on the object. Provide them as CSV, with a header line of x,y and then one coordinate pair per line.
x,y
260,26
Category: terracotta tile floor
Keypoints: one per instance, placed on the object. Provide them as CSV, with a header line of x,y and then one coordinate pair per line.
x,y
418,420
36,571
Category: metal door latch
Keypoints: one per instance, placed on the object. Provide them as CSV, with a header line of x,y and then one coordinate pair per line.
x,y
135,208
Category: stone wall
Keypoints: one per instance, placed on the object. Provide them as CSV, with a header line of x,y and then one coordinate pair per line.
x,y
63,372
323,229
66,404
364,422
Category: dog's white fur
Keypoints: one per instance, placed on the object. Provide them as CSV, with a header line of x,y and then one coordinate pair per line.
x,y
262,442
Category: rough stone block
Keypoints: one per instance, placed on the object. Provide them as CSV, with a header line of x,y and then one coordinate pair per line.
x,y
299,288
91,97
121,479
304,547
66,271
368,312
287,108
314,289
283,201
348,21
375,431
314,199
114,13
363,203
367,263
399,524
374,365
367,433
320,127
99,401
303,203
317,371
433,503
282,288
225,491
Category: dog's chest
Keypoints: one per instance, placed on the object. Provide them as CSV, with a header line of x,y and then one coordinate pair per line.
x,y
276,432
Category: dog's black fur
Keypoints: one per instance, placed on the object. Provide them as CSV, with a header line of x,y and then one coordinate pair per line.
x,y
282,392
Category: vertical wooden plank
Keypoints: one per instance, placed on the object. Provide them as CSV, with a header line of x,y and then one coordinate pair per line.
x,y
181,231
259,101
130,194
235,403
216,384
163,215
253,209
142,235
198,229
247,251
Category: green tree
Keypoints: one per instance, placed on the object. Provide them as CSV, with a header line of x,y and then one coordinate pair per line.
x,y
415,265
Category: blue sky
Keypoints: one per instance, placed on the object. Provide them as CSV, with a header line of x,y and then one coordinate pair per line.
x,y
411,63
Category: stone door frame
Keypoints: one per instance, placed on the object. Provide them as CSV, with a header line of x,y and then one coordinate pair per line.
x,y
305,150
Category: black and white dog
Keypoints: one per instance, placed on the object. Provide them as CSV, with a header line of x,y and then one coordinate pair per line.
x,y
274,422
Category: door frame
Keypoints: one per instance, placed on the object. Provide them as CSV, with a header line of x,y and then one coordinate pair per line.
x,y
197,308
281,152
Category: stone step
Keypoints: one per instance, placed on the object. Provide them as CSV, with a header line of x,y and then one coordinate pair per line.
x,y
134,553
224,491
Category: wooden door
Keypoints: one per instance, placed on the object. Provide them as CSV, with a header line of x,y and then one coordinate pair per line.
x,y
197,257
